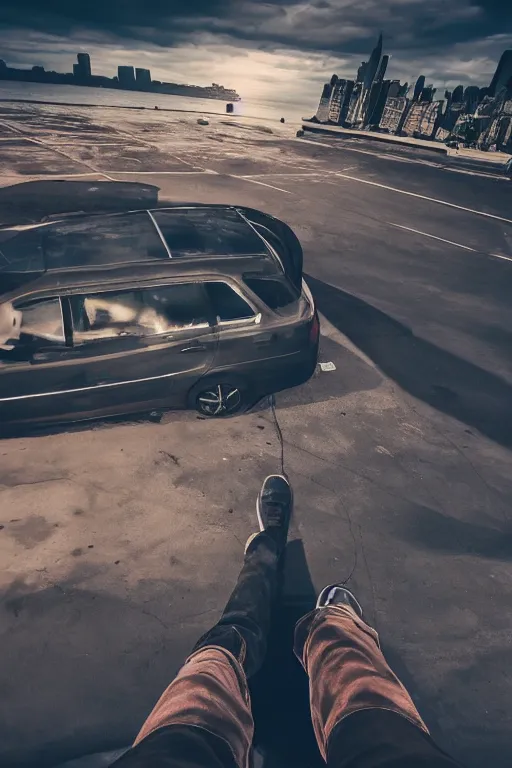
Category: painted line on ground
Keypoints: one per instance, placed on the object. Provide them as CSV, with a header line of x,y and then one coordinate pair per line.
x,y
434,237
253,181
269,175
166,173
498,256
422,197
401,159
382,155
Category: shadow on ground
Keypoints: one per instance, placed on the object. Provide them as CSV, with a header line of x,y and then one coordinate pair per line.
x,y
439,378
280,693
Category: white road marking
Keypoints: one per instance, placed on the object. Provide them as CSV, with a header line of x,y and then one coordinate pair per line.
x,y
253,181
166,173
402,159
267,175
423,197
498,256
434,237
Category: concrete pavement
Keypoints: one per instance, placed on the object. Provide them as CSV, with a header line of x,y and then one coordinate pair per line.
x,y
120,543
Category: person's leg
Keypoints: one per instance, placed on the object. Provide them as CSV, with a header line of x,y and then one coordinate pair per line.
x,y
204,717
362,714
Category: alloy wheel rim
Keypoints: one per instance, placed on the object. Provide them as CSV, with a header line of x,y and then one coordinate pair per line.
x,y
221,399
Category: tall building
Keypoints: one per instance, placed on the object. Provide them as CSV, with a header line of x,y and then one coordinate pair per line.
x,y
420,84
382,68
340,100
322,113
84,65
126,77
142,77
361,72
393,113
373,64
458,94
503,73
360,113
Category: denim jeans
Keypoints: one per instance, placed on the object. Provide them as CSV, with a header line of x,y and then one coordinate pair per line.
x,y
362,715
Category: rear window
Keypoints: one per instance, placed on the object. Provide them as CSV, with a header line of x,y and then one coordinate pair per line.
x,y
208,232
274,293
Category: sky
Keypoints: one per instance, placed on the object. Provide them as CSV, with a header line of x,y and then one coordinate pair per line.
x,y
281,49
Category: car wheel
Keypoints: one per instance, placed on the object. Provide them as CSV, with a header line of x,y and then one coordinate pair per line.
x,y
219,399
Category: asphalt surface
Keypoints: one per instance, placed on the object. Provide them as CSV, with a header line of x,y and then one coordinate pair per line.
x,y
120,543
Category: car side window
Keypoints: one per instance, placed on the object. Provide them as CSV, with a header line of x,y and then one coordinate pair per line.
x,y
275,293
142,312
228,305
35,324
108,315
178,307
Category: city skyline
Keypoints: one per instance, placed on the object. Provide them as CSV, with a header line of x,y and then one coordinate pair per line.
x,y
476,116
259,48
128,78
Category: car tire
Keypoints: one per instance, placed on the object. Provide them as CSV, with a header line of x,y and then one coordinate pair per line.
x,y
218,398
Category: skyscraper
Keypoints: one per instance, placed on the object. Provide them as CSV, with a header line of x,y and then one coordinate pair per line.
x,y
126,77
503,73
382,68
142,77
420,84
358,112
322,113
373,64
361,72
84,65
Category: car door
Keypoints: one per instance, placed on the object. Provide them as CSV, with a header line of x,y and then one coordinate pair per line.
x,y
243,341
143,347
40,379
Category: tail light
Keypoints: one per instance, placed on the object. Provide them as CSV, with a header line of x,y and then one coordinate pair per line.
x,y
314,330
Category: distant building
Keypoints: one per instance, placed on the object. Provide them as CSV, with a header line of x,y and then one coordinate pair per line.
x,y
458,94
143,78
382,68
361,72
322,113
353,106
393,113
84,65
503,73
422,119
420,84
340,100
126,77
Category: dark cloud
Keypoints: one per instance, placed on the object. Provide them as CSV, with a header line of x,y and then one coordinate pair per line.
x,y
333,26
413,29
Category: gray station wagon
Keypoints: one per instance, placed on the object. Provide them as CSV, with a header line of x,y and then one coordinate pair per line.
x,y
190,306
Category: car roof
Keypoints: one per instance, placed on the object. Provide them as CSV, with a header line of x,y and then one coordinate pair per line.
x,y
78,249
83,249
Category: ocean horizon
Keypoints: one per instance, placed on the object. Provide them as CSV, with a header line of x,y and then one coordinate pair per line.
x,y
265,109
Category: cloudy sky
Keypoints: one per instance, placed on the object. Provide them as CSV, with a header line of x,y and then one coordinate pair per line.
x,y
261,47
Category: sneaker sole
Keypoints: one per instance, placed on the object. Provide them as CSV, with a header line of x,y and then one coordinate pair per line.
x,y
258,499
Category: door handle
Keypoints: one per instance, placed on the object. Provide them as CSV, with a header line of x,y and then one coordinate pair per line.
x,y
194,348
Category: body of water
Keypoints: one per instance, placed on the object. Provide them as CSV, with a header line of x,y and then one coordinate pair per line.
x,y
75,94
